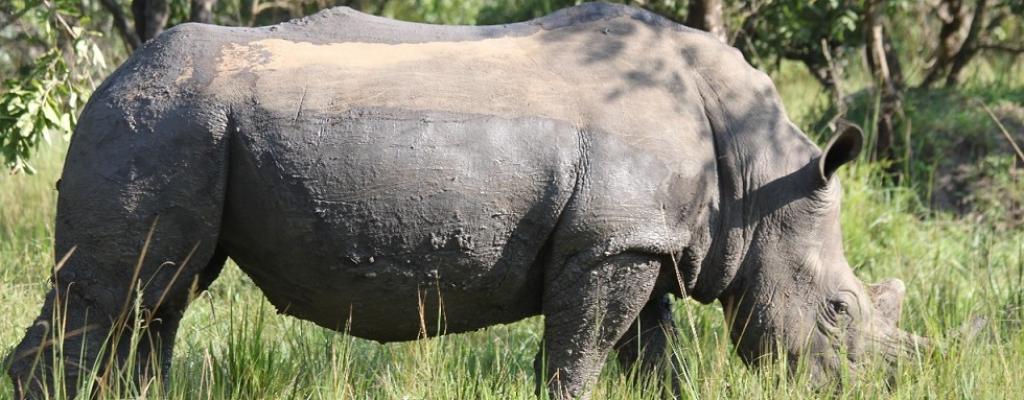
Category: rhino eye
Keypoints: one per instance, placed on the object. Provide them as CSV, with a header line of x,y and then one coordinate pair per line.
x,y
839,307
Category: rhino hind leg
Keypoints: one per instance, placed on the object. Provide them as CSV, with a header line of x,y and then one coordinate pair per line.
x,y
587,308
647,343
647,339
157,343
95,322
87,326
133,207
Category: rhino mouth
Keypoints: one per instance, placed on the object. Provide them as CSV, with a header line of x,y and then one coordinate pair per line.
x,y
877,350
901,345
836,360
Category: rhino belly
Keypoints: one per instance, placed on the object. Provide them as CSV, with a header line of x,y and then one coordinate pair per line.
x,y
391,224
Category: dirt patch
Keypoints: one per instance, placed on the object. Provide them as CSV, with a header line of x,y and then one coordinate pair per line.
x,y
977,174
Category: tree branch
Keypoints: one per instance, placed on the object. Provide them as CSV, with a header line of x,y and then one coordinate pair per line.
x,y
60,20
121,24
1001,47
706,15
969,47
949,44
995,20
150,17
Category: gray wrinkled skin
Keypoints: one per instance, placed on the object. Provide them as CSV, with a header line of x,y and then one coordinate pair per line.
x,y
368,173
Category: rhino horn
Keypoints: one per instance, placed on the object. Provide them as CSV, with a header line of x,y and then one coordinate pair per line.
x,y
915,343
887,297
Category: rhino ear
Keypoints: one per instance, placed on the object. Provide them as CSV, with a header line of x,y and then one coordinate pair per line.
x,y
842,148
887,297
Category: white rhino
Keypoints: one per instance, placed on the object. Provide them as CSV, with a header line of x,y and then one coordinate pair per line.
x,y
581,166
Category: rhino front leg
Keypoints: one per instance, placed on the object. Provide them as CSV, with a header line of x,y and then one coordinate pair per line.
x,y
587,308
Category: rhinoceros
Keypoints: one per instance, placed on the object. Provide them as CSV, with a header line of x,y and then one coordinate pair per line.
x,y
370,174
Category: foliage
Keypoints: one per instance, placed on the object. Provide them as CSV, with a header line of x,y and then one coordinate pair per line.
x,y
499,12
810,32
970,29
796,29
952,152
46,95
461,12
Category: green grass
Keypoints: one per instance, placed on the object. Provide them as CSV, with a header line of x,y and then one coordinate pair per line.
x,y
233,346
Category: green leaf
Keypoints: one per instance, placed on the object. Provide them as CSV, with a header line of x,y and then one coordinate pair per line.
x,y
51,115
32,106
97,57
25,127
15,104
65,125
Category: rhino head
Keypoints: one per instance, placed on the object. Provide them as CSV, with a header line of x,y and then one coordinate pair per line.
x,y
796,293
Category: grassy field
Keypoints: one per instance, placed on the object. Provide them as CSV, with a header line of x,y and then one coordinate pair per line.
x,y
233,346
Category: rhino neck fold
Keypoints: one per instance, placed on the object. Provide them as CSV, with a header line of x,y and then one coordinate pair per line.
x,y
717,270
755,145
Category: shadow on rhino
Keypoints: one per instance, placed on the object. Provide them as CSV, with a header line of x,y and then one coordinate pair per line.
x,y
581,166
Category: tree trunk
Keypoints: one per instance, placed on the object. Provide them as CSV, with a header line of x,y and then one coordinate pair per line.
x,y
949,40
131,39
833,75
202,11
819,71
970,45
884,67
706,15
150,17
893,60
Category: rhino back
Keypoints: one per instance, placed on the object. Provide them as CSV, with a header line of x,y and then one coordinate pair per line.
x,y
609,68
